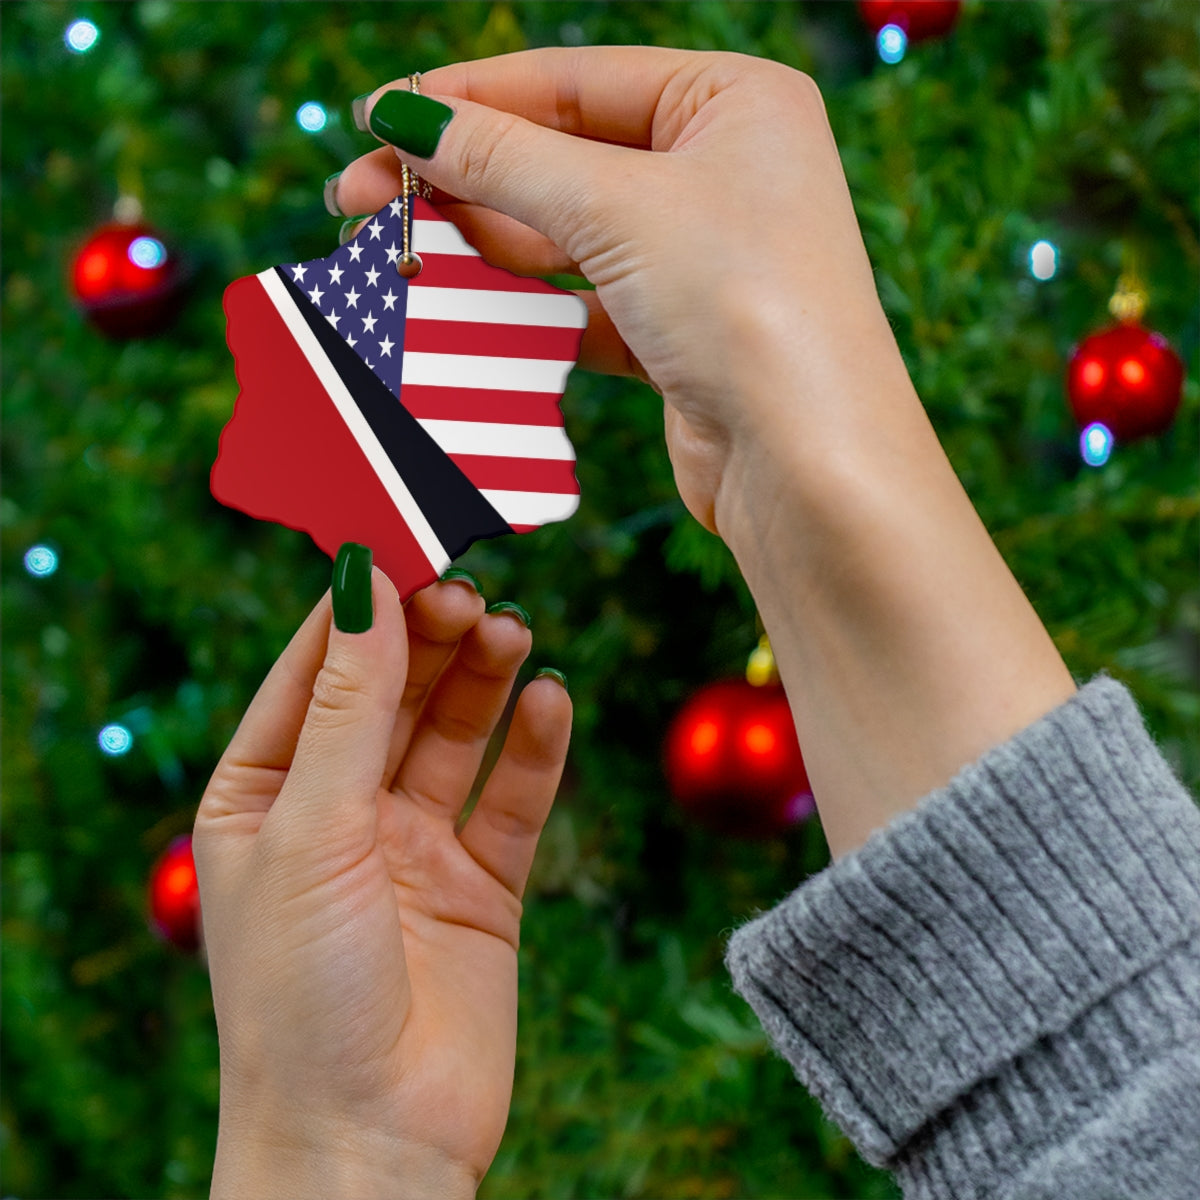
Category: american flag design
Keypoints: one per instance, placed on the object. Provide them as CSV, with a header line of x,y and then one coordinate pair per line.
x,y
412,415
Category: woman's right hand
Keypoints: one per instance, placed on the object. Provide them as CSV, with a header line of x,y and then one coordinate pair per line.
x,y
703,196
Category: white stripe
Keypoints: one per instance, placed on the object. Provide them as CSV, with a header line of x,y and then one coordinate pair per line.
x,y
401,497
439,237
503,441
484,371
495,308
530,508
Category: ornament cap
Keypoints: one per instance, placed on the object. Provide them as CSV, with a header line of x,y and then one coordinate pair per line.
x,y
760,667
1128,303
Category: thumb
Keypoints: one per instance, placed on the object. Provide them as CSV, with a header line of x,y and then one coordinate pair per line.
x,y
331,787
551,181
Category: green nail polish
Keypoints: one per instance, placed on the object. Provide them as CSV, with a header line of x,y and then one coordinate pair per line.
x,y
353,611
508,606
553,674
346,232
414,123
329,192
465,576
358,110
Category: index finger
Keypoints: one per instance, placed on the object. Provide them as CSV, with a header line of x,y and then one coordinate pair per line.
x,y
607,93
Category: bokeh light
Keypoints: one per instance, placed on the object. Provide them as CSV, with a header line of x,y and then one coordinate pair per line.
x,y
1043,260
81,36
1096,444
115,740
311,117
41,561
891,42
147,252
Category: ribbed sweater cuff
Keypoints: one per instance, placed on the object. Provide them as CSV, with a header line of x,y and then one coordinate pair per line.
x,y
1010,917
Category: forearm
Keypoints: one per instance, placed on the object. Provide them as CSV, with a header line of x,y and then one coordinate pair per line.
x,y
906,646
316,1160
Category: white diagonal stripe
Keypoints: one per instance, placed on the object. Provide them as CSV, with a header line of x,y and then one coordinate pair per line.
x,y
530,508
401,497
504,441
484,371
495,308
439,237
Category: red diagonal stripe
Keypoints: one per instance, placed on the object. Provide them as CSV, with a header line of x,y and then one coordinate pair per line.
x,y
505,341
519,474
467,271
481,404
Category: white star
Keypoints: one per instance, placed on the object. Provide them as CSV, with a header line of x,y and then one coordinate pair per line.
x,y
333,319
395,207
369,364
352,298
390,299
369,323
392,253
355,251
298,273
375,229
315,295
335,274
372,276
351,341
386,345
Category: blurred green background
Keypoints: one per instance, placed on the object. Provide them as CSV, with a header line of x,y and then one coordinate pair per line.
x,y
640,1073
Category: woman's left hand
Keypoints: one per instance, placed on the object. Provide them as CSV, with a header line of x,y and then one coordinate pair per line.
x,y
363,950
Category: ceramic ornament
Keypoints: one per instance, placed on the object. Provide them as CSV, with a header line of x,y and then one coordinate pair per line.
x,y
413,416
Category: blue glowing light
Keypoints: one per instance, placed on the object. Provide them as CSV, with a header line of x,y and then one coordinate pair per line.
x,y
81,36
41,561
115,740
891,43
1096,444
311,117
1043,260
147,252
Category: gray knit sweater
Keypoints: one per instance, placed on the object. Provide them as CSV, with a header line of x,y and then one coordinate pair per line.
x,y
998,995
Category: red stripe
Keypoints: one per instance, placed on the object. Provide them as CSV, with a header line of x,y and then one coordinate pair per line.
x,y
505,341
481,404
524,528
519,474
286,455
467,271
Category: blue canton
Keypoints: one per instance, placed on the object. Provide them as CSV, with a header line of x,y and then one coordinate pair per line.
x,y
358,291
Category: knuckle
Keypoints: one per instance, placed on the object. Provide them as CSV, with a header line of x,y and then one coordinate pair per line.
x,y
484,152
338,693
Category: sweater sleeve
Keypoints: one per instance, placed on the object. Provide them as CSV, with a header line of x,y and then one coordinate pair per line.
x,y
998,995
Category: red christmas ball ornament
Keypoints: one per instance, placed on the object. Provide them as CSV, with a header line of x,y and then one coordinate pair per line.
x,y
920,19
1128,379
733,761
127,281
175,896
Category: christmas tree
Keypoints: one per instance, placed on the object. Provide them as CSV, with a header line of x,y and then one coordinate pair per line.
x,y
140,616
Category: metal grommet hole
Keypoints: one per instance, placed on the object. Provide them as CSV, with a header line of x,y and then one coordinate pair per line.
x,y
408,265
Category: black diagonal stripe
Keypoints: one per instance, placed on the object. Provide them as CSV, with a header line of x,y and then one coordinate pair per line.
x,y
454,507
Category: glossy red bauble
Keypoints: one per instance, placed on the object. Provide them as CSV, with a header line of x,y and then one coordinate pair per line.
x,y
733,761
920,19
127,281
1127,378
175,896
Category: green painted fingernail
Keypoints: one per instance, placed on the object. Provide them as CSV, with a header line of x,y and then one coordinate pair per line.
x,y
329,192
553,674
347,231
465,576
508,606
353,611
414,123
358,110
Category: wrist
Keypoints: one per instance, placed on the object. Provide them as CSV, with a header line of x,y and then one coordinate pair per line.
x,y
307,1156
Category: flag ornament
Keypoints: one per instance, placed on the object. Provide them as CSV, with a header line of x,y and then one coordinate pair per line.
x,y
413,416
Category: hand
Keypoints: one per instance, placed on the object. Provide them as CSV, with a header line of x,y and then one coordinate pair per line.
x,y
363,954
736,238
